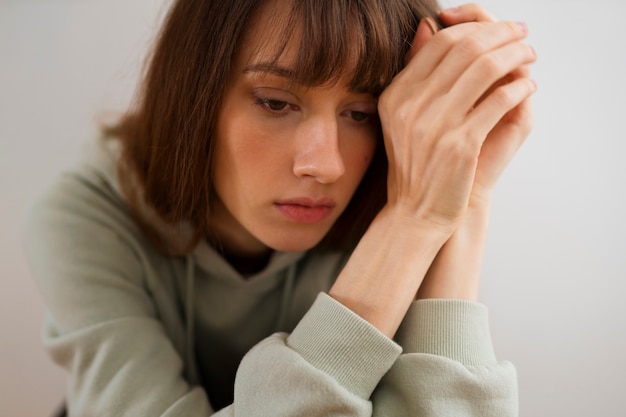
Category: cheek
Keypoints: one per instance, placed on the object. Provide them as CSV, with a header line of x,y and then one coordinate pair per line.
x,y
247,155
358,156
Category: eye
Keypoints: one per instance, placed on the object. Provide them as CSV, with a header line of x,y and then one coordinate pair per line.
x,y
272,105
359,116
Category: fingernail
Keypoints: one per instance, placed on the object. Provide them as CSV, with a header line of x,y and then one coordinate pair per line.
x,y
434,28
451,10
523,26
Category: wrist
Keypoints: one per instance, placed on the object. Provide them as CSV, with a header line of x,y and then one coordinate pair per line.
x,y
387,267
455,272
480,200
406,220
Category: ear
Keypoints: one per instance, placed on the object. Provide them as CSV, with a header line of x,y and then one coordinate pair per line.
x,y
426,29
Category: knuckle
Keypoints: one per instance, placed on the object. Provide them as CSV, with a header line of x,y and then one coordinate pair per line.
x,y
420,132
475,136
384,99
470,47
460,146
445,38
387,101
404,112
504,97
513,27
490,65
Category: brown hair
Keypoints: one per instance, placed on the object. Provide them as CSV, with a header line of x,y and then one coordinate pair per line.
x,y
167,138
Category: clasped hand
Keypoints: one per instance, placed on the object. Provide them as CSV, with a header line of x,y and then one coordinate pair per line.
x,y
453,118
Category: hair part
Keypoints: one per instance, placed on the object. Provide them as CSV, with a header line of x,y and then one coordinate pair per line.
x,y
167,135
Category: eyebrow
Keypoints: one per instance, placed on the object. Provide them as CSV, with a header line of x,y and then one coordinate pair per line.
x,y
284,72
270,68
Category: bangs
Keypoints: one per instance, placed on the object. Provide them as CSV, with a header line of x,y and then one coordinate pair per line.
x,y
362,41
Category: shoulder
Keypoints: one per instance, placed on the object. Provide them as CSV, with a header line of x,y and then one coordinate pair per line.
x,y
89,257
82,220
82,200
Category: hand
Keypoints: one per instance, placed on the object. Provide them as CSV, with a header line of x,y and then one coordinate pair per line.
x,y
448,132
508,135
455,272
437,116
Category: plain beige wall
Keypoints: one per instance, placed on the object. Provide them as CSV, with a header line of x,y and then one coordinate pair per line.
x,y
555,265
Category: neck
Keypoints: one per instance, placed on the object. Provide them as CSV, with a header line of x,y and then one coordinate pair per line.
x,y
245,253
246,263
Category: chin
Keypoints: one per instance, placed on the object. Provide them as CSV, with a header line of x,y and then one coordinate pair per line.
x,y
295,242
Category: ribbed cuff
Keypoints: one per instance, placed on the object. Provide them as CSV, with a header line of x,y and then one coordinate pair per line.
x,y
337,341
455,329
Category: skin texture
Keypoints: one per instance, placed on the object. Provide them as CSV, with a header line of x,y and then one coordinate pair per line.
x,y
462,254
452,120
278,141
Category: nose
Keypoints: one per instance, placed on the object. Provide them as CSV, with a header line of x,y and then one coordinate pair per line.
x,y
318,154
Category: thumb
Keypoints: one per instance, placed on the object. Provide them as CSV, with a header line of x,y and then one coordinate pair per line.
x,y
425,30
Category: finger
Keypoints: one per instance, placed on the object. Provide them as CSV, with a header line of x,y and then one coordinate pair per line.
x,y
425,31
496,106
431,53
503,141
520,72
514,125
466,13
463,50
487,70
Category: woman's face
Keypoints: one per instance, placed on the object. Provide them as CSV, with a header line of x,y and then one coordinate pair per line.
x,y
287,157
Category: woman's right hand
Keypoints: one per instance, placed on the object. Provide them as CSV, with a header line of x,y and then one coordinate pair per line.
x,y
439,110
439,116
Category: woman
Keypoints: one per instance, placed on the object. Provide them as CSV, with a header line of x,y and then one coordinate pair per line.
x,y
291,219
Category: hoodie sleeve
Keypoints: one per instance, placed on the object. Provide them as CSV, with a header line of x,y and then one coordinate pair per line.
x,y
104,327
448,367
328,366
102,323
335,364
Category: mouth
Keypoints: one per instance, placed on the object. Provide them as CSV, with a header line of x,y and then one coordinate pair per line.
x,y
306,210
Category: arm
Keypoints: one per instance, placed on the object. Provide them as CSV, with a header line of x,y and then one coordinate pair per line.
x,y
448,366
102,324
104,328
455,273
448,135
109,325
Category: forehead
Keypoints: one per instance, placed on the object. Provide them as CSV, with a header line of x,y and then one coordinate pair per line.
x,y
274,43
271,36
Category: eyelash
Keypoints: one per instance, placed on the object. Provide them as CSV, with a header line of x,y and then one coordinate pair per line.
x,y
266,104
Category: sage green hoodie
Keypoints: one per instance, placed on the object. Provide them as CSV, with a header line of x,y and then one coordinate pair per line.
x,y
144,334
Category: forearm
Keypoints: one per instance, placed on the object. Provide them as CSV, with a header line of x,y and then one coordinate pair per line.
x,y
386,269
447,349
455,272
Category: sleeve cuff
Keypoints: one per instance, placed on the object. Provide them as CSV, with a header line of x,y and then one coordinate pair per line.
x,y
337,341
455,329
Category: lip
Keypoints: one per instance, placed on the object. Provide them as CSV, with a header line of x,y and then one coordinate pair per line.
x,y
305,209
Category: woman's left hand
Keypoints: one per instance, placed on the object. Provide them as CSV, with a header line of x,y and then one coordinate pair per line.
x,y
455,272
509,134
